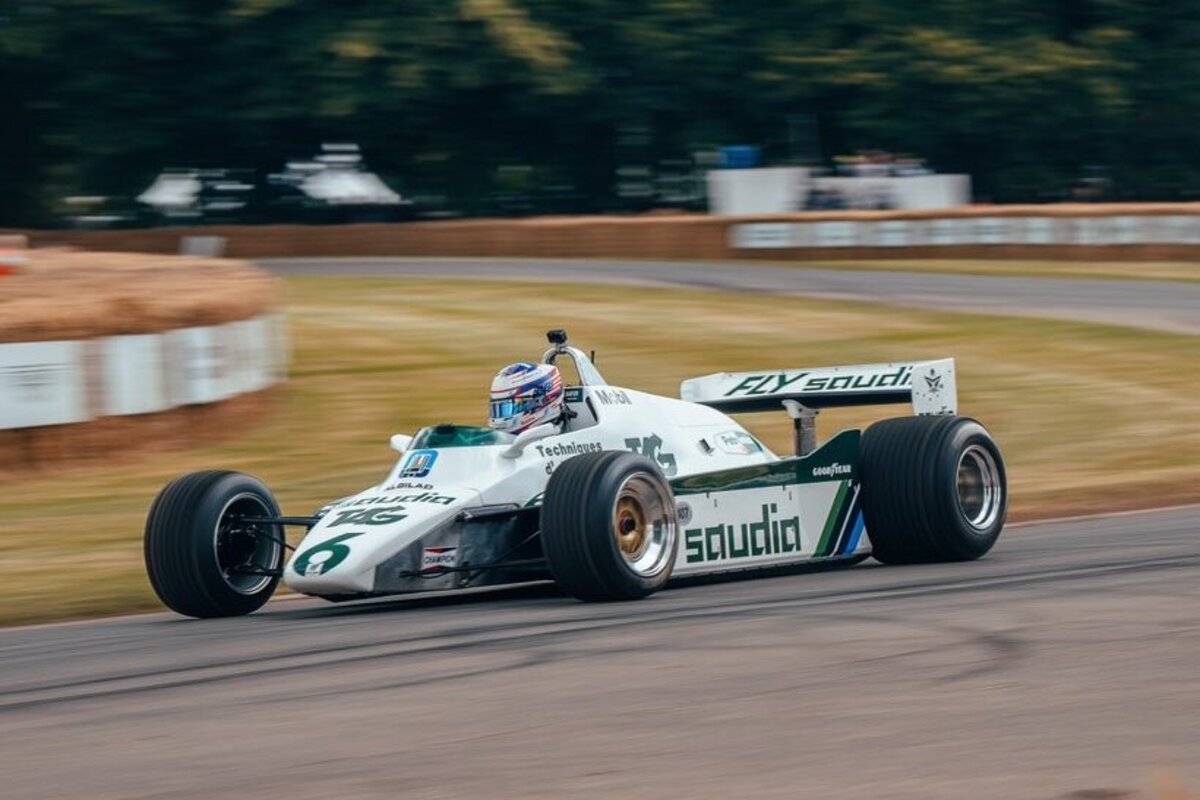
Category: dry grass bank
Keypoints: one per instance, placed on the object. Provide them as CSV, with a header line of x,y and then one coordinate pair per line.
x,y
1090,417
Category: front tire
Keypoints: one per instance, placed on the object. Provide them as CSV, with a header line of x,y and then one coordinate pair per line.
x,y
933,489
609,526
202,559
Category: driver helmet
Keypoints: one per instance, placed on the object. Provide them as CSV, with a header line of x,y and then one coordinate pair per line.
x,y
524,395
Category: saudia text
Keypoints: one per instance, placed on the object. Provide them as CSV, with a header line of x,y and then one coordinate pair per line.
x,y
770,535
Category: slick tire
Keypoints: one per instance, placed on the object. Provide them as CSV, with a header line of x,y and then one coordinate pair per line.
x,y
201,559
609,527
933,489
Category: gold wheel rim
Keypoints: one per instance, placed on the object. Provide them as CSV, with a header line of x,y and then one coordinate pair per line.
x,y
644,524
631,527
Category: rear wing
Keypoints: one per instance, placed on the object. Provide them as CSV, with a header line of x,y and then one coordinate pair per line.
x,y
928,385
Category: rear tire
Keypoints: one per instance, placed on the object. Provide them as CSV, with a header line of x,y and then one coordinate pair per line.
x,y
200,559
933,489
609,526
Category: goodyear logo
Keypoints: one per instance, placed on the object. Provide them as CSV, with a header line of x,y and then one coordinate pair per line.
x,y
834,470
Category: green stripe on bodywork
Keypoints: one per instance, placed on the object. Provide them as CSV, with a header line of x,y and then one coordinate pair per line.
x,y
840,451
831,522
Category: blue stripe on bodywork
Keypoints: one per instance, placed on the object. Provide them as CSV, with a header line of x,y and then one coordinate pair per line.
x,y
855,535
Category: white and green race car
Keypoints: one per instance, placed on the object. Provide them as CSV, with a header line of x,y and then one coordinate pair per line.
x,y
628,491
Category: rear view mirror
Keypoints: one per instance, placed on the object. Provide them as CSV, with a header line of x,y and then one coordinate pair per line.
x,y
525,438
400,442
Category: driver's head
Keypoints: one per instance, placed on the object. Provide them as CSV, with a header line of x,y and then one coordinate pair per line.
x,y
524,395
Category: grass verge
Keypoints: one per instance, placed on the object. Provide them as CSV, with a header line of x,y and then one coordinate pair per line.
x,y
1090,417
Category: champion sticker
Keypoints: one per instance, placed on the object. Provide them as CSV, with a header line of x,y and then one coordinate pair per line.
x,y
436,559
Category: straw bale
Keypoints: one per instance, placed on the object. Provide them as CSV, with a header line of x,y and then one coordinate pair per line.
x,y
63,294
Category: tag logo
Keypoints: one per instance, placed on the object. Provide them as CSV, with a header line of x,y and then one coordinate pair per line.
x,y
418,464
368,516
651,447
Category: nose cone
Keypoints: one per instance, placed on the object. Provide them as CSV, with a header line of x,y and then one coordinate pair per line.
x,y
341,552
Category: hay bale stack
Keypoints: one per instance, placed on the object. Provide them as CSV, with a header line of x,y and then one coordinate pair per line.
x,y
62,294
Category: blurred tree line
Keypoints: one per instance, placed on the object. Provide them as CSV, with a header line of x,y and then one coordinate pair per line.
x,y
450,95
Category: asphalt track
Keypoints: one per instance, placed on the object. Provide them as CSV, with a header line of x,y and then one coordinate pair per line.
x,y
1063,665
1157,305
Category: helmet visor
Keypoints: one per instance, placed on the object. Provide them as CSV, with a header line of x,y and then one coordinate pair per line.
x,y
511,407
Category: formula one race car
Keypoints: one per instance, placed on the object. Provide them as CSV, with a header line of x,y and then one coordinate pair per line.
x,y
625,492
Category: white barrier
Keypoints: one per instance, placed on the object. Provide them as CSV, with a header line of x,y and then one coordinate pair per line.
x,y
58,383
771,190
1112,230
132,375
782,190
41,383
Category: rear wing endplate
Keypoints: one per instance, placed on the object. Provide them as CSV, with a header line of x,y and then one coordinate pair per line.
x,y
928,385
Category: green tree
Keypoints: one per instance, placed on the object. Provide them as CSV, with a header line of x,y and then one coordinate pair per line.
x,y
458,97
